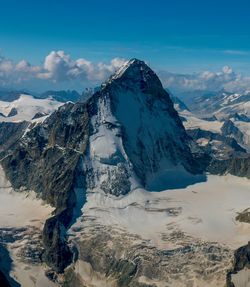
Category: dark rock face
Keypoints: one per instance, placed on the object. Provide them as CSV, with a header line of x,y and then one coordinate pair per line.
x,y
12,113
242,258
5,268
151,128
240,117
241,261
229,129
47,161
3,281
228,146
39,115
10,133
57,254
239,166
229,156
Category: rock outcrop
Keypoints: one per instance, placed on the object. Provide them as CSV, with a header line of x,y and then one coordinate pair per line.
x,y
241,261
239,166
10,133
229,129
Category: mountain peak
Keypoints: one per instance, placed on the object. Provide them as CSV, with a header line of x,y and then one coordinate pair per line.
x,y
132,64
135,72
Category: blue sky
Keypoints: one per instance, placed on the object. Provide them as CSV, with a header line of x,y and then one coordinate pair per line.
x,y
178,35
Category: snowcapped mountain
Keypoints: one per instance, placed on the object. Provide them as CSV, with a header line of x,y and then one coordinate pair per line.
x,y
221,104
226,141
125,136
95,163
134,117
26,108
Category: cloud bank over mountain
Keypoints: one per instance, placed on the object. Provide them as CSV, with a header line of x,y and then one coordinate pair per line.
x,y
60,69
226,79
57,67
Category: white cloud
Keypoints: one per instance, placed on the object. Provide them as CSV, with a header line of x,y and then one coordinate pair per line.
x,y
210,81
60,69
59,66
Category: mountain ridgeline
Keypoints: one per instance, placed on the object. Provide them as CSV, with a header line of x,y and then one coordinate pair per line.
x,y
125,136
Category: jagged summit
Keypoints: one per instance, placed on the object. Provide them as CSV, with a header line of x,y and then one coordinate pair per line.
x,y
133,65
135,74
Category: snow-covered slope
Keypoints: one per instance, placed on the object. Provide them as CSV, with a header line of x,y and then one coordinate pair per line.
x,y
149,214
26,107
193,122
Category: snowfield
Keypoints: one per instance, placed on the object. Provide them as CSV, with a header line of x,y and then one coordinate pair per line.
x,y
23,215
203,213
195,123
27,107
205,210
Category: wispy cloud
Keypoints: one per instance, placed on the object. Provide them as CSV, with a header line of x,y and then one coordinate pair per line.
x,y
237,52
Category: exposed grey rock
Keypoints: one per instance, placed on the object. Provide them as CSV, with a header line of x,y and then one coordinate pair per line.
x,y
239,166
57,253
126,258
10,133
12,113
240,117
39,115
226,146
229,129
